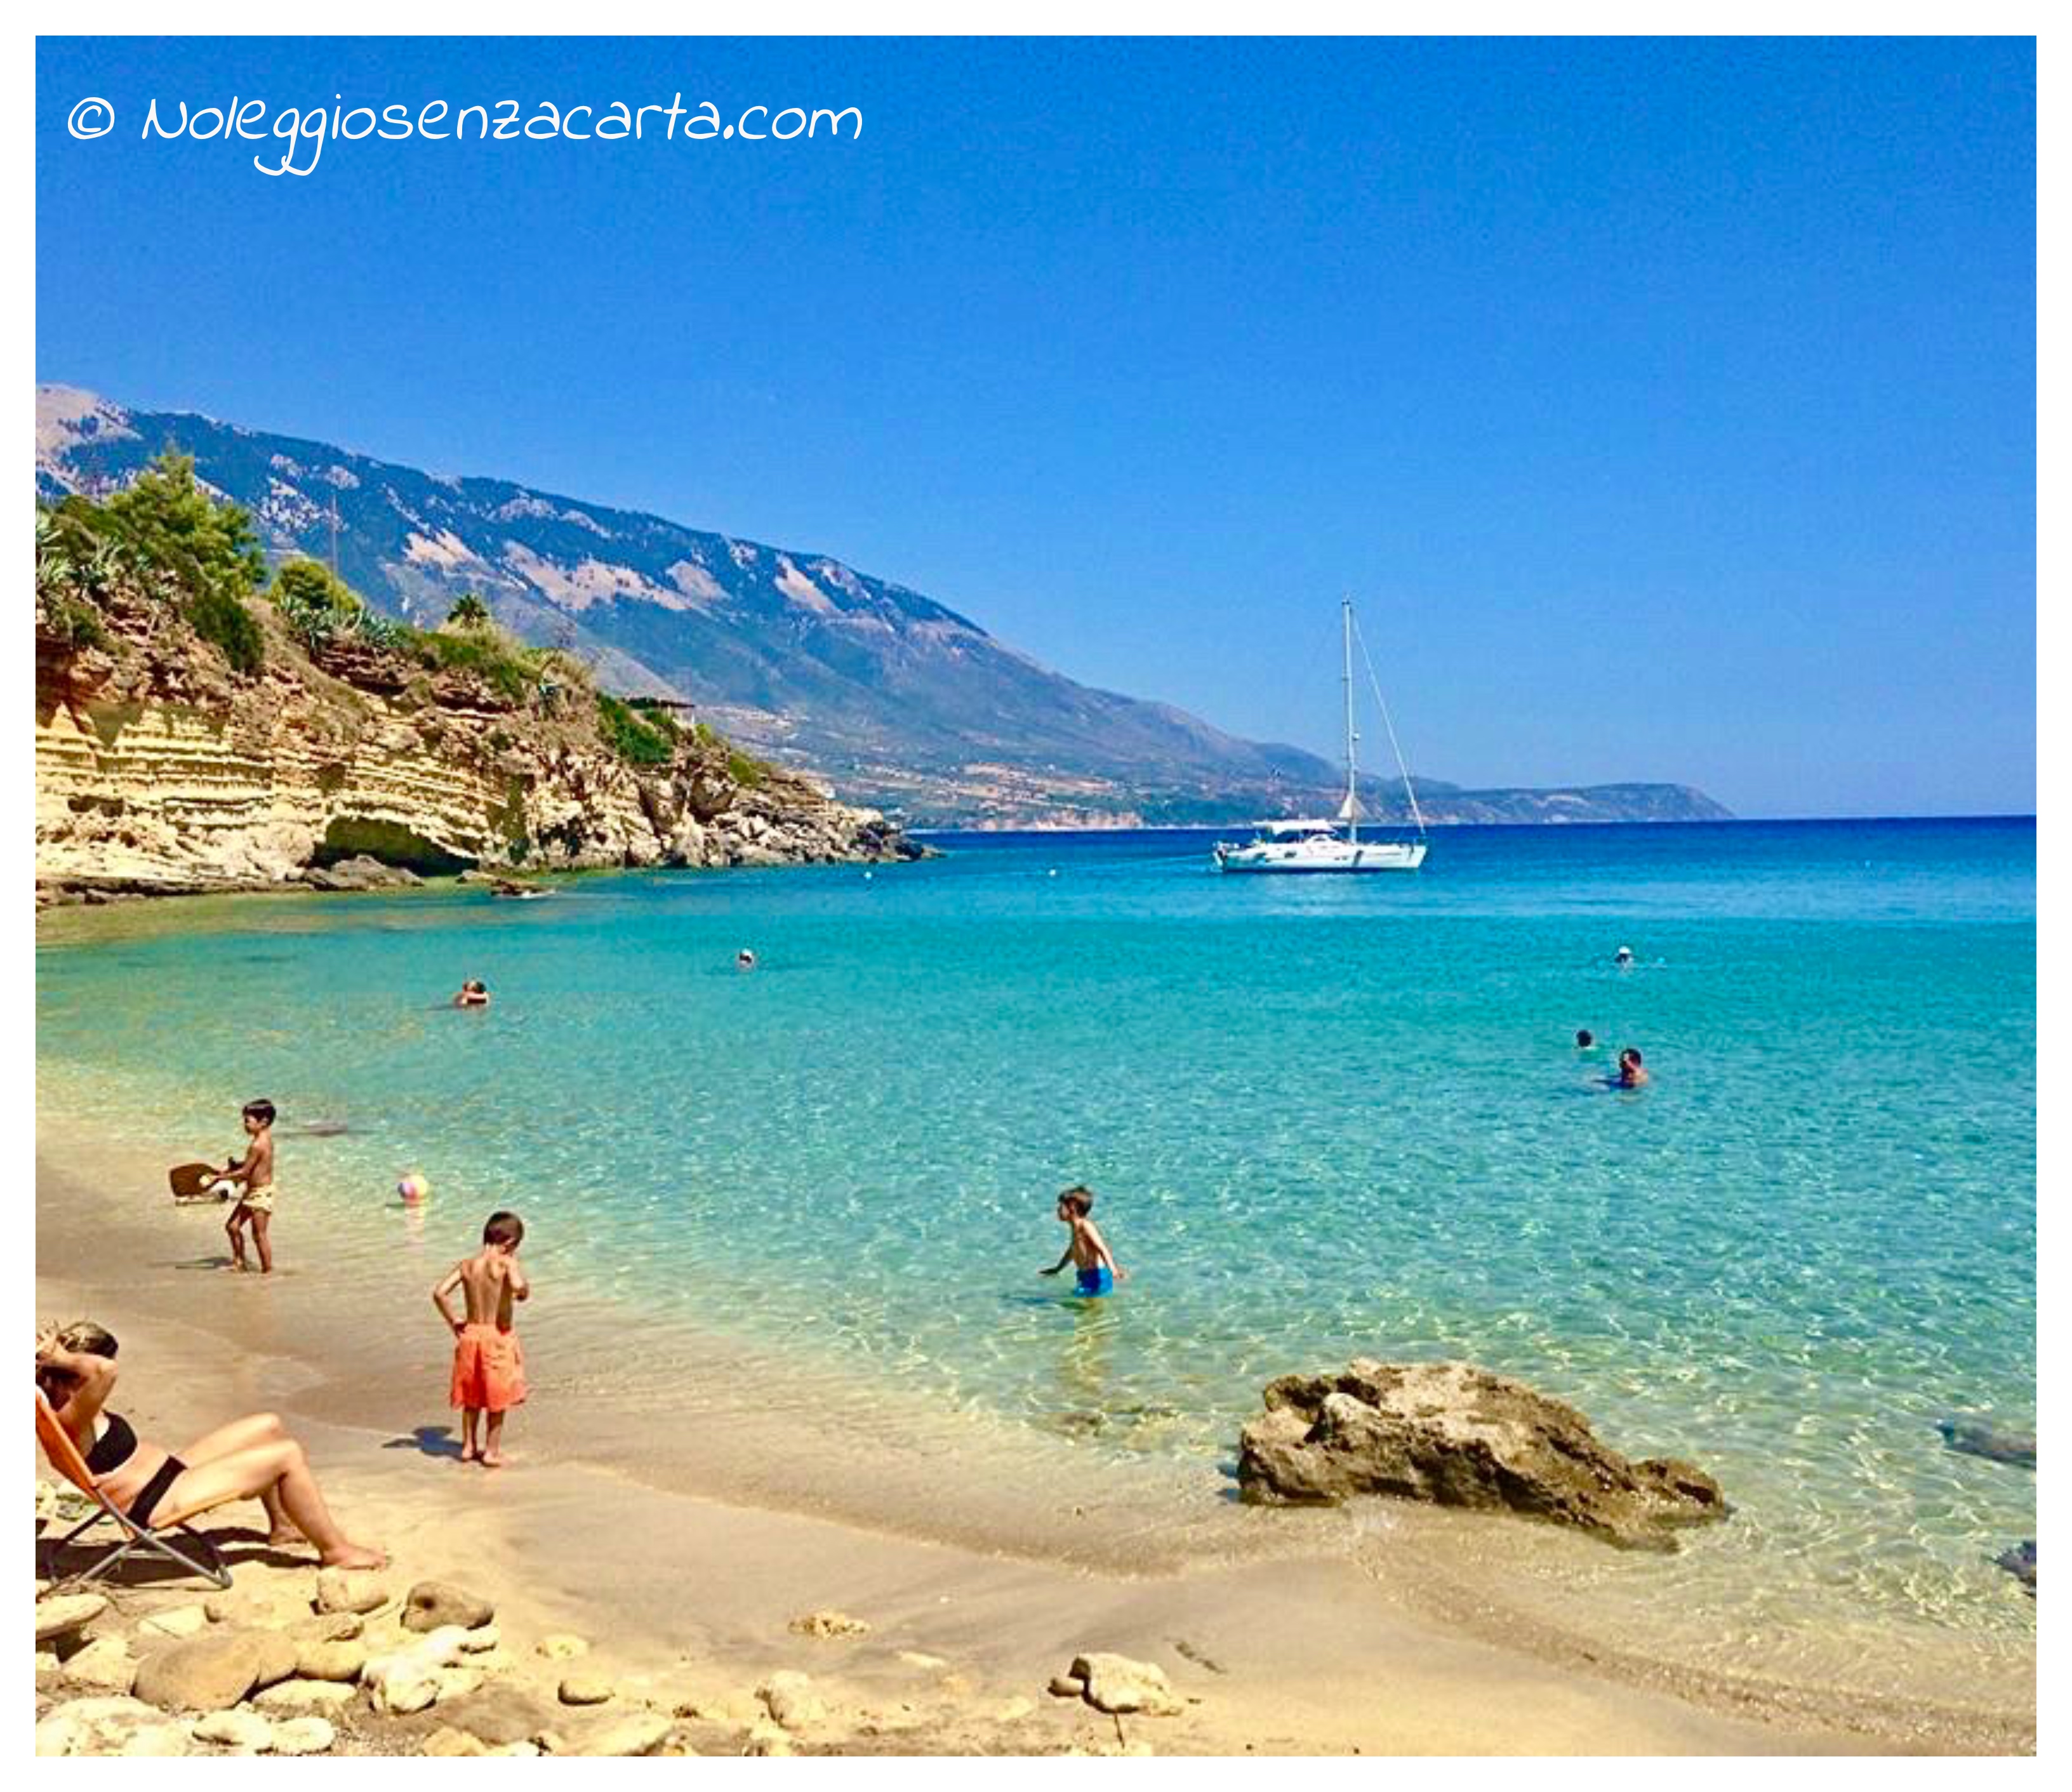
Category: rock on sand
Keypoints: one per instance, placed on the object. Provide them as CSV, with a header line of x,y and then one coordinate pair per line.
x,y
433,1605
1116,1683
790,1699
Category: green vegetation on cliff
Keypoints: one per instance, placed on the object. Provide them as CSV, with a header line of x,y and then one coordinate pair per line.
x,y
639,739
169,541
168,535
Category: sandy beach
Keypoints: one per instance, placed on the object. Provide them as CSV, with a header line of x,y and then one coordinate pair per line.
x,y
687,1601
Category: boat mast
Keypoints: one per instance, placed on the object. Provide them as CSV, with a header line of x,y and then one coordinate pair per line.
x,y
1352,739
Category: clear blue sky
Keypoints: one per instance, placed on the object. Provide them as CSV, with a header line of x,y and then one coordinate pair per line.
x,y
1669,406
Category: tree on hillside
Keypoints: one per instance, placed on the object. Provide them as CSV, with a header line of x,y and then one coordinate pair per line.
x,y
469,611
168,527
168,520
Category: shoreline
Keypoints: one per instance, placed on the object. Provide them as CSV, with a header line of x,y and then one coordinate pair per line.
x,y
1317,1647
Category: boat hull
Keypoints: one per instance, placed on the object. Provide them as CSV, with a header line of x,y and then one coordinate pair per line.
x,y
1347,858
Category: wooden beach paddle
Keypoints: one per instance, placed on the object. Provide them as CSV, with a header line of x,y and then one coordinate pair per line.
x,y
192,1181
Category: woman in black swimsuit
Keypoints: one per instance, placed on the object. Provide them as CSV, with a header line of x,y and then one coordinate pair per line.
x,y
254,1458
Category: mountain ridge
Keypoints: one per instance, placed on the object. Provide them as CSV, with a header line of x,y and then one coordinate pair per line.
x,y
898,701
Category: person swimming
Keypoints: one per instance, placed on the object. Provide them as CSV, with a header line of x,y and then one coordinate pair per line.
x,y
1623,957
744,960
473,993
1585,1040
1631,1075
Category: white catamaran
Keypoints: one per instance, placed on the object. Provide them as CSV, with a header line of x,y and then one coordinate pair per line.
x,y
1333,845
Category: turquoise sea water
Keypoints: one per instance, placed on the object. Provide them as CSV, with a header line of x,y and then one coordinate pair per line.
x,y
1323,1117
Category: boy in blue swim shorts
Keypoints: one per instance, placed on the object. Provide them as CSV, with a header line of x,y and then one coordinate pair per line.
x,y
1098,1270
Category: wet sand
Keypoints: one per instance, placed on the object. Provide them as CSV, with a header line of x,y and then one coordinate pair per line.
x,y
1314,1636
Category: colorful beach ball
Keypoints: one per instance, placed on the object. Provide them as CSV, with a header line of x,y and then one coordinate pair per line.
x,y
414,1188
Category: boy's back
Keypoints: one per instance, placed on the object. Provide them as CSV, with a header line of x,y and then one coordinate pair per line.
x,y
485,1279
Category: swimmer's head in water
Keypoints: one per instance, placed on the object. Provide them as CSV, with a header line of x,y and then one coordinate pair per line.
x,y
1585,1038
1079,1199
1629,1058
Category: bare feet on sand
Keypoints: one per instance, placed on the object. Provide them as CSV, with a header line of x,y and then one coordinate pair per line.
x,y
353,1556
492,1459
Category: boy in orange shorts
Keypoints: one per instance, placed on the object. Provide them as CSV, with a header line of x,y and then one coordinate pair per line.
x,y
489,1368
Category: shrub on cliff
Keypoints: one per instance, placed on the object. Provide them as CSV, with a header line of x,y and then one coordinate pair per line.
x,y
76,575
516,671
316,604
378,631
218,617
648,740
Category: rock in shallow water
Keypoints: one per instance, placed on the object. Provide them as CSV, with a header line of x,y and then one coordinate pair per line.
x,y
2020,1562
1995,1443
1456,1435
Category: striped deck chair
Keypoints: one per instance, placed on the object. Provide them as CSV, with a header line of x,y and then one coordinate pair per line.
x,y
140,1539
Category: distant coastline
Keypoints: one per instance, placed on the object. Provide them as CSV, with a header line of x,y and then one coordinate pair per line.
x,y
942,830
898,701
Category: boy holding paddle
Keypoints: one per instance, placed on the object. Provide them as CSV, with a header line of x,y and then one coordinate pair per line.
x,y
254,1174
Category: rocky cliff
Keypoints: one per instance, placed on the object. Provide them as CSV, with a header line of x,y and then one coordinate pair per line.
x,y
160,769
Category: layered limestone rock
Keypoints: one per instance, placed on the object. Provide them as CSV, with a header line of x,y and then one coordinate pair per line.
x,y
1456,1435
159,770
